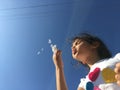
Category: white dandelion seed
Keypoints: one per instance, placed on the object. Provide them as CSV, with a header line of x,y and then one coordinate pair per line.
x,y
49,41
38,53
53,47
42,49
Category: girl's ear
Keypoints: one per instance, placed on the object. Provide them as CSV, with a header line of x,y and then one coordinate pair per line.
x,y
95,44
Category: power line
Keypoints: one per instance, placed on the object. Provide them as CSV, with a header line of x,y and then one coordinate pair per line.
x,y
37,6
34,14
38,14
53,11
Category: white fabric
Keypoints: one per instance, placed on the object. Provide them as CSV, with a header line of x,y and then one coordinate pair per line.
x,y
99,81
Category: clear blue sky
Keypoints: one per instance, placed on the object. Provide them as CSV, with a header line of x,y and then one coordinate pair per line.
x,y
25,27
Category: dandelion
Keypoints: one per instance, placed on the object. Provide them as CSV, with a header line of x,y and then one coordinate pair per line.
x,y
53,47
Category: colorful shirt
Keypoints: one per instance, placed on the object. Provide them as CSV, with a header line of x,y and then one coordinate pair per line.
x,y
101,75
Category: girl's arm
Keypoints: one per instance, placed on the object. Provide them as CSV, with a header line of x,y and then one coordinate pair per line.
x,y
60,78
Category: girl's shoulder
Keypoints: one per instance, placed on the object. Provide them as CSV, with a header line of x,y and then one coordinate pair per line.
x,y
117,56
108,62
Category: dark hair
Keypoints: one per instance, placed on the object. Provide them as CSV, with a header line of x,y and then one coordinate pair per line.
x,y
102,49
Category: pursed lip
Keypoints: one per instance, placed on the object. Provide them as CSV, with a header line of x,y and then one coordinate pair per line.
x,y
74,51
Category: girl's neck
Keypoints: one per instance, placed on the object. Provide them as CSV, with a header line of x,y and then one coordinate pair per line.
x,y
92,60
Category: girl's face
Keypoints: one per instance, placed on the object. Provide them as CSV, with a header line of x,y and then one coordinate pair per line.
x,y
81,50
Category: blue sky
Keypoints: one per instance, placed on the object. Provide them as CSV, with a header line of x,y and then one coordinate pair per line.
x,y
26,26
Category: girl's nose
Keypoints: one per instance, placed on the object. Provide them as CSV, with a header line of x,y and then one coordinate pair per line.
x,y
73,46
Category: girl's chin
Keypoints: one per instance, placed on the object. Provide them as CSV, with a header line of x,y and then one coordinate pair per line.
x,y
84,62
78,59
74,57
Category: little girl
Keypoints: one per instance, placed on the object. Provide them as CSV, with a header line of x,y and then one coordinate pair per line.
x,y
90,51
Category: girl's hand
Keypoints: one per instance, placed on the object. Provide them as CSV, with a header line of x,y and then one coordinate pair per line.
x,y
57,59
117,71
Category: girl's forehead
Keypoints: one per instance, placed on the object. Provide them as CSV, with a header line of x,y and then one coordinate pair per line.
x,y
77,40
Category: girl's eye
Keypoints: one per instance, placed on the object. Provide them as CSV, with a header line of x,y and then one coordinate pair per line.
x,y
78,42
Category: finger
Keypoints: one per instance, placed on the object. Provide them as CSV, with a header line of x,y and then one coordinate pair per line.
x,y
59,52
117,77
57,55
118,65
117,70
118,82
56,52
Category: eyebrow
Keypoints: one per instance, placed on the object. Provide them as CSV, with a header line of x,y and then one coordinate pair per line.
x,y
77,40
